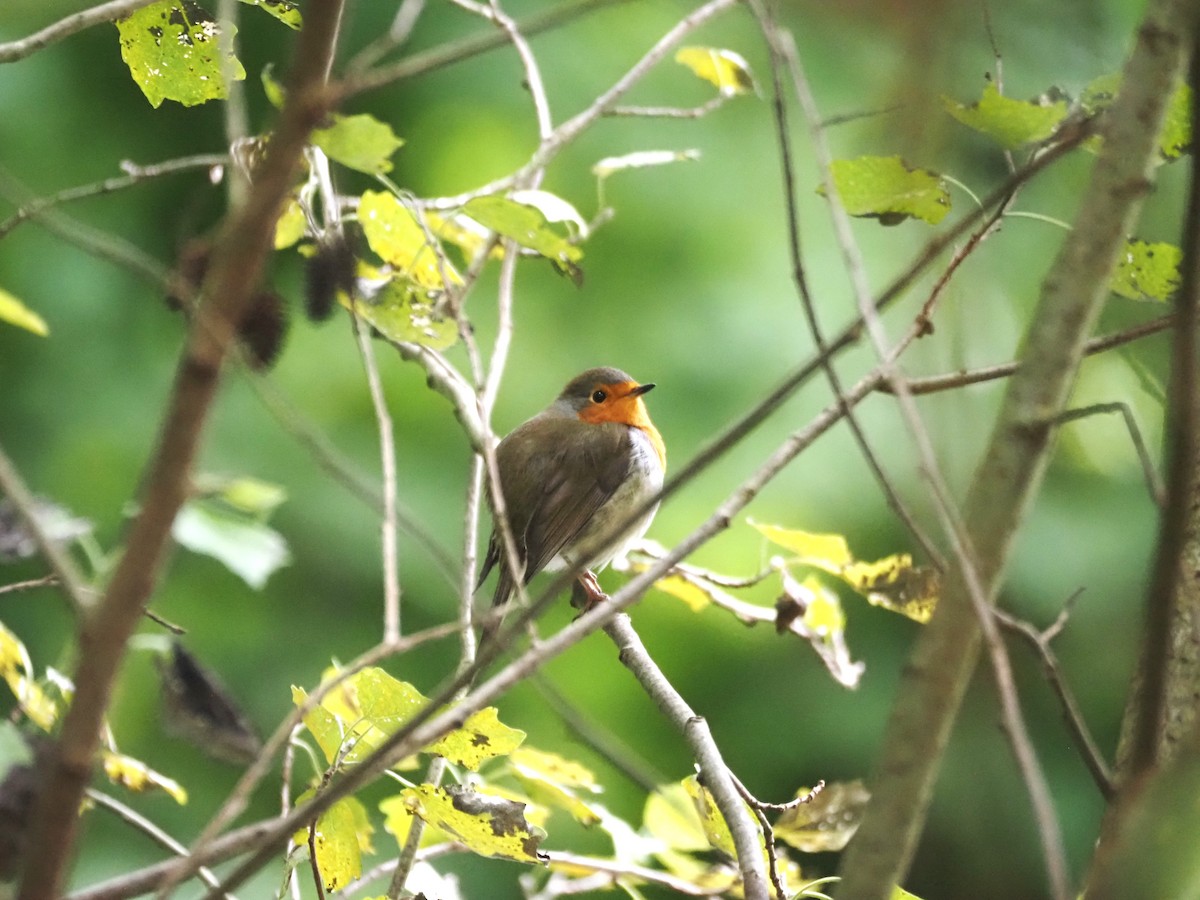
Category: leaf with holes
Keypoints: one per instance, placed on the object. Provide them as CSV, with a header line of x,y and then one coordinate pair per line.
x,y
485,824
173,51
1147,271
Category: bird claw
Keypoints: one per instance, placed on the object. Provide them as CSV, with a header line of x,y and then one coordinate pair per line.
x,y
587,592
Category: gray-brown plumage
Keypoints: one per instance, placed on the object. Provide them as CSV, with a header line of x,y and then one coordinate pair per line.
x,y
572,474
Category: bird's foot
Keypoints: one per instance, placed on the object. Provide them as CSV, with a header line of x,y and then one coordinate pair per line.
x,y
587,591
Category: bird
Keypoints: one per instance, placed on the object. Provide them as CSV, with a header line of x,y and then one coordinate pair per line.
x,y
571,475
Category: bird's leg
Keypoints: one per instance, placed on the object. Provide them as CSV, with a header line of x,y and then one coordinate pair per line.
x,y
587,592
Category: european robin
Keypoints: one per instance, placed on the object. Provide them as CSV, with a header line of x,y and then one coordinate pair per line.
x,y
572,474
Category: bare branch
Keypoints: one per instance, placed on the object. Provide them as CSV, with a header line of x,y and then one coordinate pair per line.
x,y
67,26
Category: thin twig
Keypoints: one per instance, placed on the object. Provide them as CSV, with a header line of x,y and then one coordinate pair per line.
x,y
397,35
31,584
140,822
934,383
672,112
69,578
67,26
894,501
1033,776
465,48
1040,642
713,771
134,174
1153,483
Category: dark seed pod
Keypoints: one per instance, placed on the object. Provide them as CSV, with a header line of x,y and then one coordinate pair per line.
x,y
200,710
330,269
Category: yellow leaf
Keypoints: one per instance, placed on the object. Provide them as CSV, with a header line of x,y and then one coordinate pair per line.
x,y
727,70
17,671
824,615
487,825
14,312
291,225
138,777
554,780
395,234
715,827
482,737
825,551
895,583
691,594
336,841
671,817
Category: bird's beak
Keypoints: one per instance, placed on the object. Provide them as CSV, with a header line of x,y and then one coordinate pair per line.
x,y
642,389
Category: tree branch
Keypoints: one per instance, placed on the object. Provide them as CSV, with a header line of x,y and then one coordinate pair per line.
x,y
67,26
229,286
1011,471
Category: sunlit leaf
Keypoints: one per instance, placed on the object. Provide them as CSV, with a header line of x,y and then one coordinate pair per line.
x,y
291,224
827,551
814,612
488,826
137,776
1147,271
285,11
1010,122
640,160
553,208
525,224
899,893
371,705
683,589
14,312
397,821
360,142
895,583
463,232
716,830
888,189
393,232
17,671
482,737
173,50
251,496
671,816
406,315
828,821
556,781
336,841
724,69
247,547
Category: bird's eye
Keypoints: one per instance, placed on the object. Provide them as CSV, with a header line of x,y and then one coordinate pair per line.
x,y
599,396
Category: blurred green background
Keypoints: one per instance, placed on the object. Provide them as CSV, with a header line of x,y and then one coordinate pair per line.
x,y
688,286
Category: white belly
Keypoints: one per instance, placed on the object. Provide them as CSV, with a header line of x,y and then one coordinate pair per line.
x,y
645,481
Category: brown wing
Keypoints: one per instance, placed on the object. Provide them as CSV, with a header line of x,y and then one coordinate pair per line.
x,y
557,476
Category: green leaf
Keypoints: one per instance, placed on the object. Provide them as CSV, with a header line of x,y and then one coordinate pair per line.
x,y
14,312
1176,137
250,549
336,841
888,189
242,494
1147,271
394,233
1010,122
405,314
284,10
487,825
715,827
527,225
360,142
371,705
173,52
826,822
724,69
